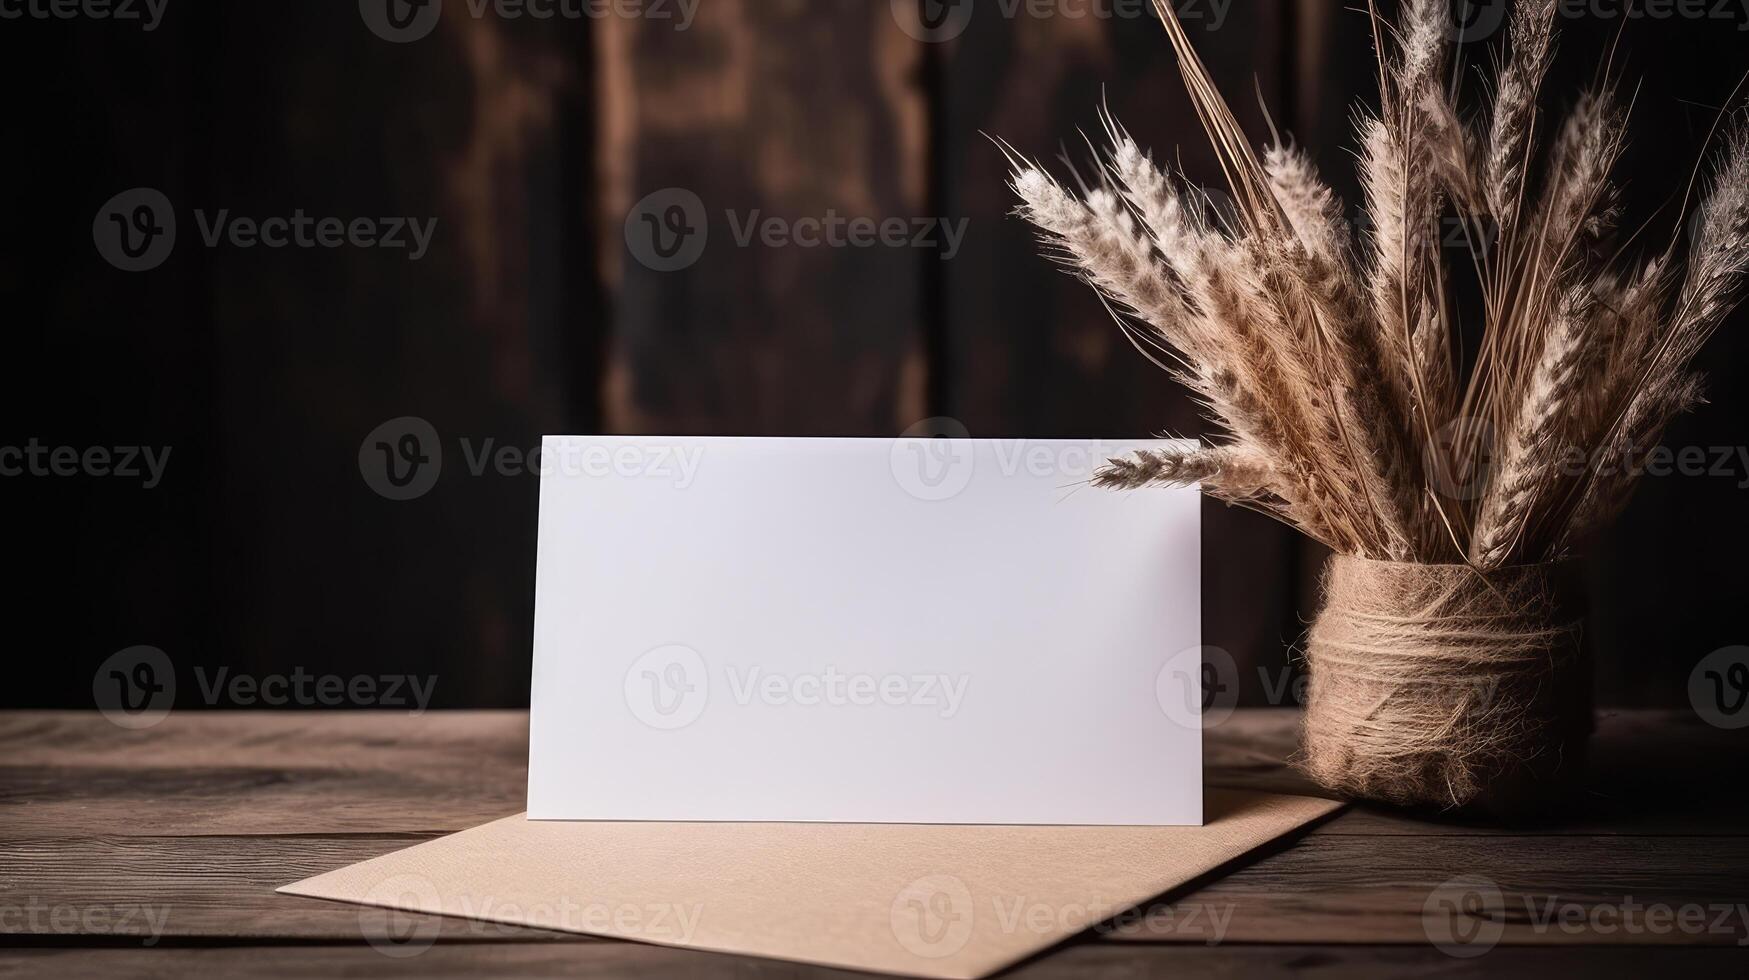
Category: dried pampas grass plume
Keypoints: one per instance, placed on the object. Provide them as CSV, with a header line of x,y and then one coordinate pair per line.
x,y
1446,666
1331,360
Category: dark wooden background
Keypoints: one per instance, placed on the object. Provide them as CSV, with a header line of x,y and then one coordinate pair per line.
x,y
264,549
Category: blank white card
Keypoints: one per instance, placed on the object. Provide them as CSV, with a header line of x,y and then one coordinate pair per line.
x,y
862,630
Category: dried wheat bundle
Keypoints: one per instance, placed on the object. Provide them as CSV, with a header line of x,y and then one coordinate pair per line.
x,y
1332,361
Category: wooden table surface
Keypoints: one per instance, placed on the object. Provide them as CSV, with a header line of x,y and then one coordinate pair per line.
x,y
156,852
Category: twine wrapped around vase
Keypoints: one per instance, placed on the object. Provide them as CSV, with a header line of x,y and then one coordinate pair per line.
x,y
1432,685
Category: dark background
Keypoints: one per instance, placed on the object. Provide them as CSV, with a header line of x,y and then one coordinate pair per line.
x,y
529,141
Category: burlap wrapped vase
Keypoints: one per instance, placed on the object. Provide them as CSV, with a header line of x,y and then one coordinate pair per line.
x,y
1438,686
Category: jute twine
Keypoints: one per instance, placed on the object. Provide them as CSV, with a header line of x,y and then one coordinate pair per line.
x,y
1433,686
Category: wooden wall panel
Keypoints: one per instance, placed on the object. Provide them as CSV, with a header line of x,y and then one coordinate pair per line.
x,y
317,347
759,111
531,142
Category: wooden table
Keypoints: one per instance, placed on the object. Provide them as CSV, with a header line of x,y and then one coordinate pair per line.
x,y
108,836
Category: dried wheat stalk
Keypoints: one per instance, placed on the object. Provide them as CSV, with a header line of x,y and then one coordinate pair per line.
x,y
1330,359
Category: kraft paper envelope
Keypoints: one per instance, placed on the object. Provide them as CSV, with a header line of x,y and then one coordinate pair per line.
x,y
929,901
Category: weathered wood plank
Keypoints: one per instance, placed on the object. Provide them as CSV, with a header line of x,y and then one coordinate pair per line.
x,y
1544,891
1649,773
731,123
74,774
1081,961
180,832
1330,888
166,889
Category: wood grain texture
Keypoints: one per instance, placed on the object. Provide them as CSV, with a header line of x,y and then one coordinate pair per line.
x,y
762,333
1079,961
181,831
315,347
